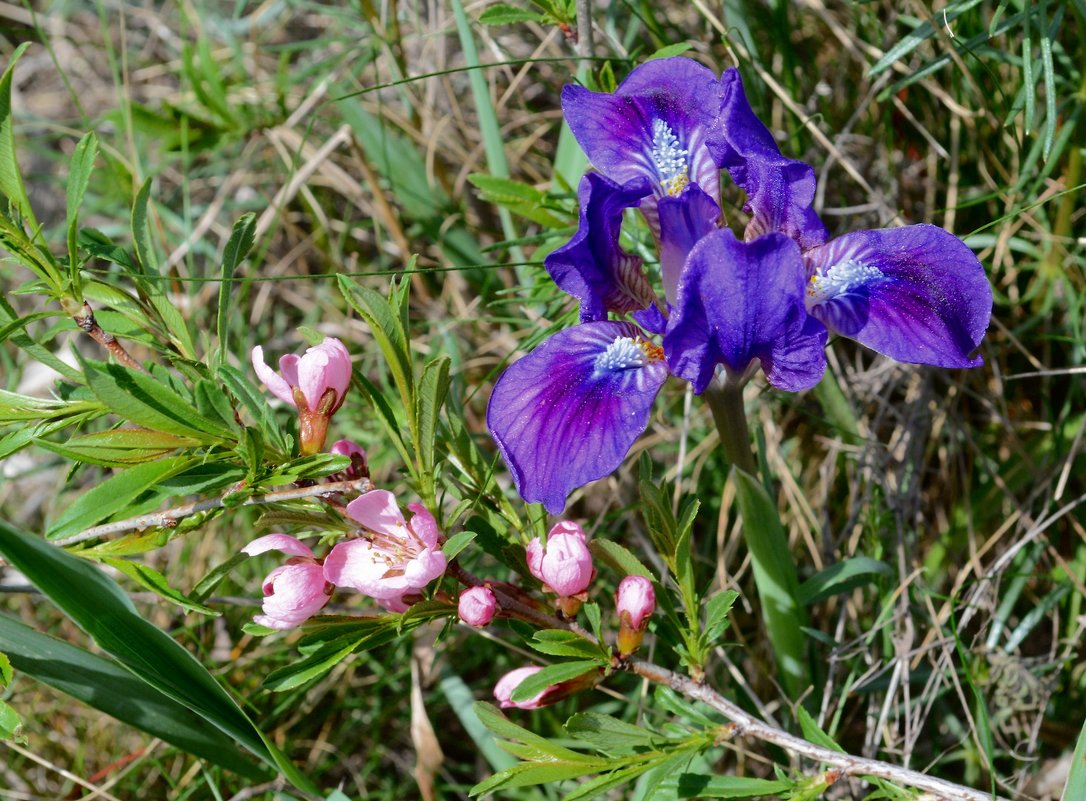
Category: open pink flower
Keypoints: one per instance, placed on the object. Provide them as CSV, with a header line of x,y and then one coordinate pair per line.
x,y
315,383
565,565
292,592
477,606
394,558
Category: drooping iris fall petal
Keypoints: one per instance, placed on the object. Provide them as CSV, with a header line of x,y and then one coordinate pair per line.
x,y
740,301
916,294
684,220
568,412
592,266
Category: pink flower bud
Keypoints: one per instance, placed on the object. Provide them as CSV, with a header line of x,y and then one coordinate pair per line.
x,y
477,606
635,601
503,690
507,684
315,383
359,466
565,565
292,592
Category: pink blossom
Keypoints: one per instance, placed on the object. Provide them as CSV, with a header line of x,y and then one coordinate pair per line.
x,y
359,466
635,600
565,565
292,592
477,606
552,694
393,558
324,367
503,690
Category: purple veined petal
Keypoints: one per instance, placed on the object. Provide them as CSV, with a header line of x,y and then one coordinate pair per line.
x,y
378,511
592,266
916,294
779,190
271,379
651,319
283,543
740,301
653,126
683,221
568,412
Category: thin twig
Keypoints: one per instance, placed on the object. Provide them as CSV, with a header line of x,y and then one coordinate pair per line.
x,y
584,28
169,518
86,321
847,764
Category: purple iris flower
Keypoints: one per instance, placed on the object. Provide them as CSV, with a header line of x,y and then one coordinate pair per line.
x,y
569,412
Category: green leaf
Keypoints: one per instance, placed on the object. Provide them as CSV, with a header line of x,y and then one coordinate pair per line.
x,y
503,14
101,609
559,642
150,579
841,577
11,178
205,586
608,734
119,447
432,390
140,399
462,701
618,558
79,173
670,50
113,495
313,665
9,721
775,577
813,733
6,673
456,543
716,614
106,686
388,330
553,674
692,785
238,246
1076,778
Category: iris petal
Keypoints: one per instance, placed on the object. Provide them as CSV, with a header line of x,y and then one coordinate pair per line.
x,y
656,119
683,221
779,190
916,294
740,301
568,412
591,266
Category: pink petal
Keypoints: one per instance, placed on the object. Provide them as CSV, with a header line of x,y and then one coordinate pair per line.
x,y
424,568
534,555
339,364
313,373
424,525
288,366
278,542
360,566
377,510
271,379
503,690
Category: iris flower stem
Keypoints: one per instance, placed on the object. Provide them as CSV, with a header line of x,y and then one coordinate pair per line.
x,y
766,539
725,399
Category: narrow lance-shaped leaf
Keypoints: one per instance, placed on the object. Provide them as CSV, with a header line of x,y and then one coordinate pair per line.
x,y
101,608
79,173
237,248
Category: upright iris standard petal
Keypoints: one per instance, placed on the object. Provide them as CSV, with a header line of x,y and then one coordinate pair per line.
x,y
916,294
779,190
683,221
740,301
653,126
591,266
568,412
